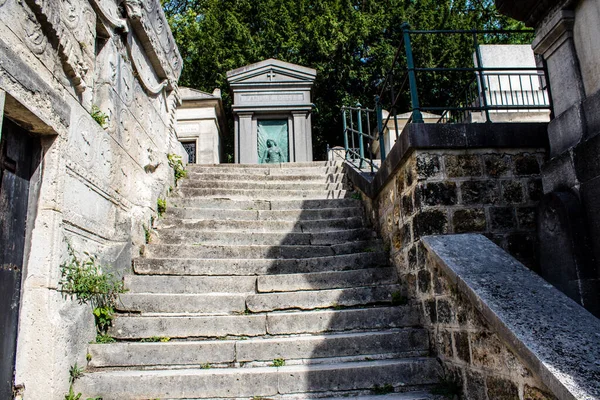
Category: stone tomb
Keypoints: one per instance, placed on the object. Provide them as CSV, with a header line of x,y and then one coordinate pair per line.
x,y
272,112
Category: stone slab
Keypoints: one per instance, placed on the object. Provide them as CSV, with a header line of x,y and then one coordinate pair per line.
x,y
555,337
326,280
263,226
264,193
163,354
214,303
342,320
190,284
251,214
180,384
234,267
334,345
358,375
133,327
310,176
313,299
230,204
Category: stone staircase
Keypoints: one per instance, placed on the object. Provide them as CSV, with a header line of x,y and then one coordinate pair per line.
x,y
268,285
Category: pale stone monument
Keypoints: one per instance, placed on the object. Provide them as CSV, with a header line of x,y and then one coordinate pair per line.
x,y
201,125
272,112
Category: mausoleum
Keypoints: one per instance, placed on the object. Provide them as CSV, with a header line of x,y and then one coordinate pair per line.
x,y
272,112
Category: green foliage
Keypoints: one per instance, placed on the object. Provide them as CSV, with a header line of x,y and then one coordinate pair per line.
x,y
100,117
356,196
104,339
205,366
71,395
103,316
278,362
381,390
161,206
176,163
75,372
85,280
147,234
351,44
156,339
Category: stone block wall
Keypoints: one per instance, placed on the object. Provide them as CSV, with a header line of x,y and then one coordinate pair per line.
x,y
490,191
473,355
97,184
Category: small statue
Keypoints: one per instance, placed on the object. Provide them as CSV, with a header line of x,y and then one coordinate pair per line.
x,y
273,153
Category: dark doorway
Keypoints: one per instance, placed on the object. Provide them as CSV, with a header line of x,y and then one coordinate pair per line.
x,y
19,153
190,148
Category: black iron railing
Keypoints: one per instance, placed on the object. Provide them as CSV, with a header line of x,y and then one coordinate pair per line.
x,y
473,93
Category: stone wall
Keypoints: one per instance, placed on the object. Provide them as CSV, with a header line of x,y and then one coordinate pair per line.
x,y
490,191
97,184
474,356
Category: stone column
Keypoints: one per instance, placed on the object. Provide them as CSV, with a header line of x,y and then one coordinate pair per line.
x,y
300,136
554,41
247,140
309,146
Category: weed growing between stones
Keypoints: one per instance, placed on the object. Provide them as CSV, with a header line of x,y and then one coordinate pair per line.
x,y
147,234
161,206
205,366
176,163
155,339
98,116
84,280
356,196
398,299
381,390
75,373
278,362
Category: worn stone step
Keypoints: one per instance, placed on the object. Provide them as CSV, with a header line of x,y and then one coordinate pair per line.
x,y
397,342
178,266
287,323
325,225
259,185
252,382
289,165
326,280
213,303
229,204
175,236
313,299
193,326
262,215
275,323
190,284
264,194
199,250
265,176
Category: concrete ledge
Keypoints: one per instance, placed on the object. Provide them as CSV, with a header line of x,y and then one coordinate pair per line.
x,y
556,338
453,137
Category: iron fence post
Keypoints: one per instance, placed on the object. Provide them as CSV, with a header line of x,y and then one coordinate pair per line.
x,y
412,79
480,70
361,148
345,132
379,111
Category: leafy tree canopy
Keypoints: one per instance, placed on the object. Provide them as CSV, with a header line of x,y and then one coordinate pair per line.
x,y
351,44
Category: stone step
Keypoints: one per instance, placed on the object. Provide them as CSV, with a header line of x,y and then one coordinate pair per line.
x,y
315,299
289,165
264,177
262,215
398,342
253,382
178,266
263,194
290,323
175,236
213,303
190,284
199,250
324,225
326,280
259,185
276,323
229,204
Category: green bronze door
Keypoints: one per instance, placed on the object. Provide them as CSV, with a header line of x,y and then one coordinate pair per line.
x,y
273,147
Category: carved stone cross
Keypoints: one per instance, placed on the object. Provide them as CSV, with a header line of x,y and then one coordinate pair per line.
x,y
271,75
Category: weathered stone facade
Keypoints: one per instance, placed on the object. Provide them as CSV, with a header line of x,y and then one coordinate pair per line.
x,y
489,191
95,186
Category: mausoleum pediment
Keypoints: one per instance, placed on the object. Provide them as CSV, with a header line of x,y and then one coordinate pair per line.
x,y
271,71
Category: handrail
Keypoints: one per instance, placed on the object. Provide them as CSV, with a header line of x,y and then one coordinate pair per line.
x,y
487,90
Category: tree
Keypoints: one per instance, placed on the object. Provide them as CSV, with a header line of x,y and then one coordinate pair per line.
x,y
351,44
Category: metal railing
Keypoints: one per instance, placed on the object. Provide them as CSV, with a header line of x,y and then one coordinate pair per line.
x,y
358,141
474,93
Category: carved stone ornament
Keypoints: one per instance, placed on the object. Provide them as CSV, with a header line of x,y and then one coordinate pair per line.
x,y
134,8
145,72
109,12
56,18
